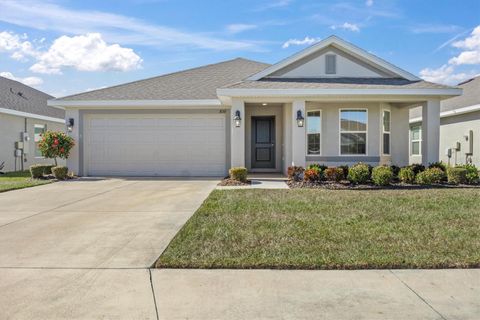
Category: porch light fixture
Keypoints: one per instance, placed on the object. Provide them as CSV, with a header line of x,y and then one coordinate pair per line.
x,y
70,123
300,119
264,104
237,119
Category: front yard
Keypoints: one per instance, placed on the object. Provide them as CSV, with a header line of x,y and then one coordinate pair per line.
x,y
19,180
331,229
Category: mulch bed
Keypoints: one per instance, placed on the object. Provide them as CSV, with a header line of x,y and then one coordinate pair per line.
x,y
227,182
346,185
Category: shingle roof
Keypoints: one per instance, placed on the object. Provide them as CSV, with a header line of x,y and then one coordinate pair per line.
x,y
17,96
335,83
470,97
192,84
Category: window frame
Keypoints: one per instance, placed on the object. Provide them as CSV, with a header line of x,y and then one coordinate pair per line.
x,y
419,140
340,133
389,132
38,126
334,57
319,132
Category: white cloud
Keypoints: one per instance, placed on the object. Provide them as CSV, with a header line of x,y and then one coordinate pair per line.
x,y
471,47
369,3
240,27
16,45
434,28
116,28
445,74
300,42
346,26
29,81
85,53
274,4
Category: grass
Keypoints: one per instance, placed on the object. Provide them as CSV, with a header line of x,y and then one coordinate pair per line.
x,y
19,180
330,229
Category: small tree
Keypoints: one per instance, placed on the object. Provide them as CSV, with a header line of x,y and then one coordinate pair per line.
x,y
56,144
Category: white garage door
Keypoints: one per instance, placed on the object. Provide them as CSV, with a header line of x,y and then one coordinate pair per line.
x,y
155,145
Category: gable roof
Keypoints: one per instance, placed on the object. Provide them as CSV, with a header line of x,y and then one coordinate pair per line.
x,y
20,98
192,84
343,46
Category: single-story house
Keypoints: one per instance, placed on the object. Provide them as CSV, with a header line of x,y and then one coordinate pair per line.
x,y
332,103
24,115
459,127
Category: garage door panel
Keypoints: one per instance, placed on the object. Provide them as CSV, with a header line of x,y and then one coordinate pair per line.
x,y
155,145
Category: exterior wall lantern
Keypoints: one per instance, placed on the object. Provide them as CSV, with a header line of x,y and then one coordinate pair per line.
x,y
70,123
237,119
300,119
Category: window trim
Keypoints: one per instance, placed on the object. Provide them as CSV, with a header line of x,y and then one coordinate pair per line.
x,y
389,132
35,126
340,132
320,132
334,63
419,140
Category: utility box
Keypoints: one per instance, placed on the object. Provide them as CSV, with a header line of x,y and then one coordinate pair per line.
x,y
469,151
19,145
25,138
17,153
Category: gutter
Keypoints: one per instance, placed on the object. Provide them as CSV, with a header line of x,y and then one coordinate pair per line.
x,y
31,115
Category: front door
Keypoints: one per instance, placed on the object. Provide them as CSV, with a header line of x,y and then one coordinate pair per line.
x,y
263,142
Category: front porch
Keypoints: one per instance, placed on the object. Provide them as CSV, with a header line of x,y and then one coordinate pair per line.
x,y
272,135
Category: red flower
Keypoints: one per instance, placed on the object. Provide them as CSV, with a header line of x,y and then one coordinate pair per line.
x,y
62,150
55,142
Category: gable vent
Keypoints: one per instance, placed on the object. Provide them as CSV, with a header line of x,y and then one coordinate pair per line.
x,y
330,64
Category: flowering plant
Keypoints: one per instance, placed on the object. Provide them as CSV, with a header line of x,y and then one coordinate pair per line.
x,y
55,144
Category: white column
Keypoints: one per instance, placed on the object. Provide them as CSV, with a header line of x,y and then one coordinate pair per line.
x,y
430,131
237,136
299,147
73,161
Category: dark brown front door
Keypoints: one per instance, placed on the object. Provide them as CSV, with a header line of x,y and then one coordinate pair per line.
x,y
263,142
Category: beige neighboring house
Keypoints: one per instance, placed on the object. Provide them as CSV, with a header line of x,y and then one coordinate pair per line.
x,y
459,127
332,103
24,115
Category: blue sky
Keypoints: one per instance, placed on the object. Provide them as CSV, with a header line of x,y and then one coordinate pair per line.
x,y
66,46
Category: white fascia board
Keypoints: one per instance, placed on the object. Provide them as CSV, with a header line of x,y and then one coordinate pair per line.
x,y
451,113
340,44
30,115
135,103
232,92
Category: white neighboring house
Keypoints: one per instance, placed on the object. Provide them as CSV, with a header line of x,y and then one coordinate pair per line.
x,y
459,127
24,110
332,103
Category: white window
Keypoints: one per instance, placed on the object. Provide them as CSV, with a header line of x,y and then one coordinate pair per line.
x,y
330,64
314,129
416,140
39,129
386,132
353,131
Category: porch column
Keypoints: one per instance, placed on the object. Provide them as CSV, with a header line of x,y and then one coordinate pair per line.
x,y
430,131
299,147
237,136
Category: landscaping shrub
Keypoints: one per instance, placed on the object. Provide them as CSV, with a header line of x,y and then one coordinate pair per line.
x,y
457,175
48,168
406,175
238,173
37,170
430,176
55,144
295,173
382,175
334,174
359,173
440,165
472,176
60,172
395,171
345,170
417,168
312,175
320,167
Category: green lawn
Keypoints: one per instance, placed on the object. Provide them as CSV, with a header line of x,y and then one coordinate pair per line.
x,y
18,180
330,229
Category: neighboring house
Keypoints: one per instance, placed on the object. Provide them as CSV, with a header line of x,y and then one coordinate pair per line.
x,y
24,115
459,127
332,103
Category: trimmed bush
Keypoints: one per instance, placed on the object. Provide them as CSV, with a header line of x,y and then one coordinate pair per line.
x,y
382,175
472,174
457,175
417,168
48,168
295,173
406,175
37,170
359,173
55,144
395,171
60,172
430,176
440,165
312,175
320,167
238,173
345,170
334,174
